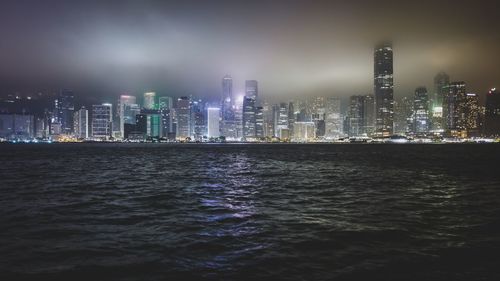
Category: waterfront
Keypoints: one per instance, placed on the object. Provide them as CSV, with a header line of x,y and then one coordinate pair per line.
x,y
249,211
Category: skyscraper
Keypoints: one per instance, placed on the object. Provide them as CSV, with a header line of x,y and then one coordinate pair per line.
x,y
471,114
228,108
149,100
81,123
453,106
421,111
248,117
333,118
492,114
102,120
403,116
441,82
384,92
259,122
123,101
65,107
369,115
165,107
183,118
213,116
356,116
198,126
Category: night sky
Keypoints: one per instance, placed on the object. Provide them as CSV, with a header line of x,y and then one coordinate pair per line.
x,y
293,48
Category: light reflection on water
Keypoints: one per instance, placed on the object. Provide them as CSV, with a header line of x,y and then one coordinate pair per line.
x,y
294,212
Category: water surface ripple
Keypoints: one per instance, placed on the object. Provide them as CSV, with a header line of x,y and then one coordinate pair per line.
x,y
249,212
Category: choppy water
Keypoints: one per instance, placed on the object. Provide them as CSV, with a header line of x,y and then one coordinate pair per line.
x,y
249,212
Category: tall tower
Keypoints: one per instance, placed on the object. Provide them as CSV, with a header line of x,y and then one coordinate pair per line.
x,y
421,111
183,118
122,102
228,109
384,90
65,107
453,109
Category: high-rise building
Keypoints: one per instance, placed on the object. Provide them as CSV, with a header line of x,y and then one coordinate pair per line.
x,y
421,111
333,118
81,123
102,120
64,108
441,82
281,125
228,109
248,118
213,116
149,100
183,114
403,116
198,126
123,101
369,115
259,122
384,90
453,106
471,114
492,114
165,108
356,116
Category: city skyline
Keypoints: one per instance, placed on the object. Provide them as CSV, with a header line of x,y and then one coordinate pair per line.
x,y
105,49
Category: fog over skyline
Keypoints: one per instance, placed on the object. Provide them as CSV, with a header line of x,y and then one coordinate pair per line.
x,y
293,48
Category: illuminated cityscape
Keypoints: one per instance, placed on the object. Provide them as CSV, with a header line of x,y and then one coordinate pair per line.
x,y
449,114
282,140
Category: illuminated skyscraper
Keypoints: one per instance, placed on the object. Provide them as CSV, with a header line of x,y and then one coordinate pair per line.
x,y
149,100
259,122
102,120
65,107
471,114
249,110
384,92
213,115
333,118
441,82
281,125
183,112
421,111
356,116
369,115
492,115
123,101
248,118
81,123
198,126
453,106
228,109
165,108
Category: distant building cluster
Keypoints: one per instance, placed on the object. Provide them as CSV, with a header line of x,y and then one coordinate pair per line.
x,y
448,111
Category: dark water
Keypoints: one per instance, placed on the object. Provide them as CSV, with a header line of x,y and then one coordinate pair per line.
x,y
249,212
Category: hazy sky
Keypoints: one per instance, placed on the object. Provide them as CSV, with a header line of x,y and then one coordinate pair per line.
x,y
293,48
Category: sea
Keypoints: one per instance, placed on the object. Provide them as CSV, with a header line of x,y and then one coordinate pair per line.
x,y
117,211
